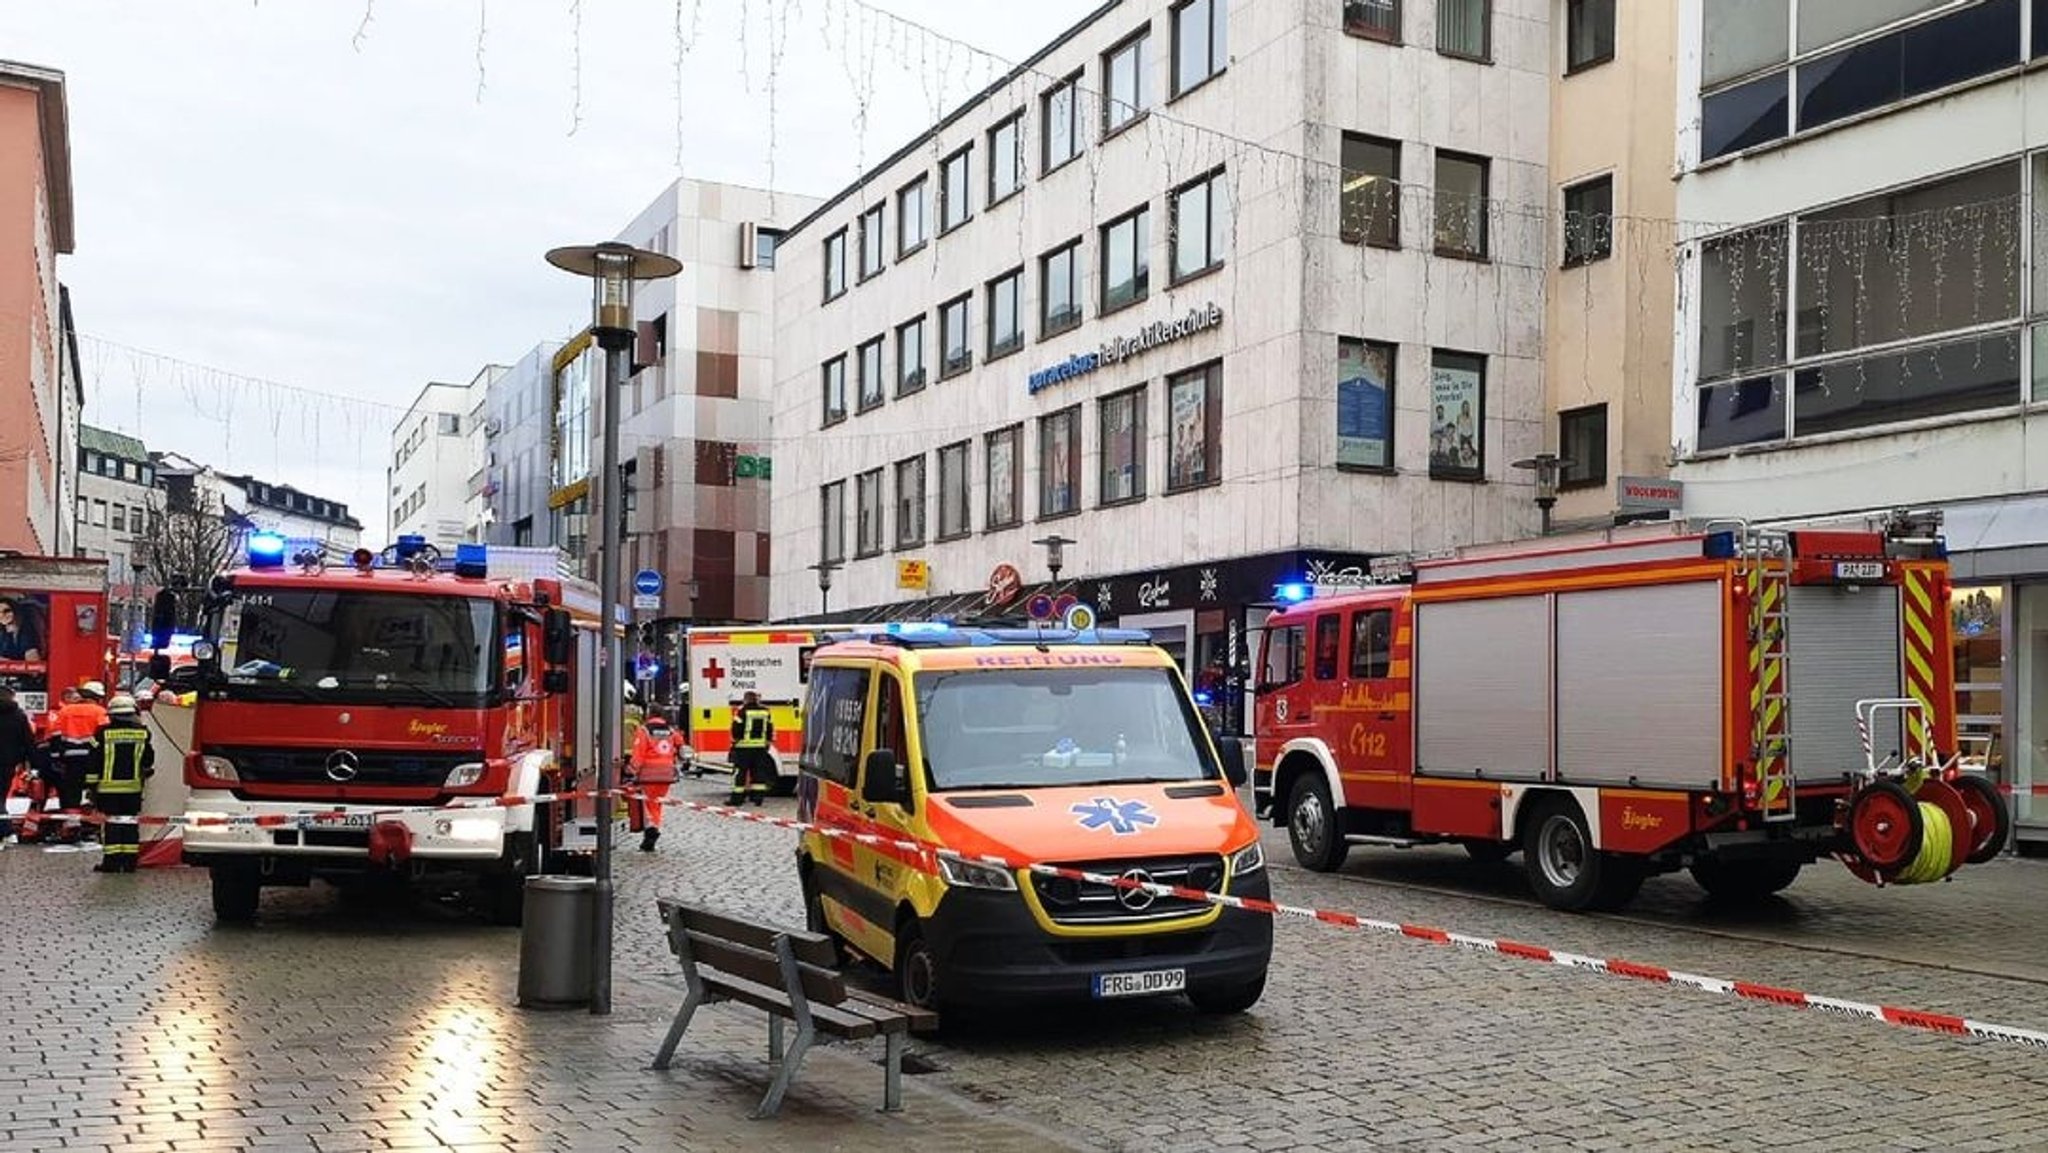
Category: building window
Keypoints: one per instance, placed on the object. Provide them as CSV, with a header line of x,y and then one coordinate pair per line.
x,y
92,462
1123,82
870,379
867,493
1373,19
1743,281
1744,116
1123,447
1005,158
1061,114
832,523
1589,221
1194,428
1464,28
1201,45
1914,61
1369,204
1059,463
1059,296
1582,442
1742,36
1126,260
120,521
835,390
1005,467
835,265
912,215
1457,407
1365,404
910,502
1200,219
871,242
956,205
84,511
1588,33
955,352
449,424
955,509
99,514
1461,205
766,240
1005,314
910,357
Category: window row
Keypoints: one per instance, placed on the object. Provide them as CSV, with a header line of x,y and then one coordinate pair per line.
x,y
1193,414
98,513
1366,391
1464,28
1200,51
1369,197
1976,39
1902,306
100,464
1199,231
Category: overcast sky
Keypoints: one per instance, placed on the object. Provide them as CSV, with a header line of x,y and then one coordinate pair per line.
x,y
275,190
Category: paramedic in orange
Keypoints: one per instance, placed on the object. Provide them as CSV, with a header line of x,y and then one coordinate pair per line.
x,y
78,723
654,770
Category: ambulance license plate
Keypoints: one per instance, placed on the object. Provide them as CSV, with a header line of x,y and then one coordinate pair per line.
x,y
1859,570
1147,984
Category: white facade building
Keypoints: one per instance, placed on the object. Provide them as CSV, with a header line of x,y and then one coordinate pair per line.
x,y
1865,331
436,458
1273,306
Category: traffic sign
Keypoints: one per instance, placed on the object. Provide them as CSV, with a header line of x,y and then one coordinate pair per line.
x,y
646,666
648,583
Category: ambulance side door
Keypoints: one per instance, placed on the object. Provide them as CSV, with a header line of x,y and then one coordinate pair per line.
x,y
828,795
887,867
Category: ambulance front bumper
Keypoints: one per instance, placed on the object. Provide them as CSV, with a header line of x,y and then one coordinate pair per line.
x,y
218,826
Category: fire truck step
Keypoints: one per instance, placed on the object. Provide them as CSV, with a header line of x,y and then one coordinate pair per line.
x,y
1384,842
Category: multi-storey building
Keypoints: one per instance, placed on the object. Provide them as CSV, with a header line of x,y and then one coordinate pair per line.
x,y
435,459
1864,325
116,493
1228,295
518,428
35,228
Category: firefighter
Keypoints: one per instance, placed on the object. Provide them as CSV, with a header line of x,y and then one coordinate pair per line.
x,y
78,720
122,759
753,765
654,770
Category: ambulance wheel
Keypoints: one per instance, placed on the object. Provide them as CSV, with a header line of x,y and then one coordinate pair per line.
x,y
236,893
1312,825
1990,820
1744,880
1223,1000
1565,870
917,968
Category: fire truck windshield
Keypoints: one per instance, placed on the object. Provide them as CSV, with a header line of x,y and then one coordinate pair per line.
x,y
362,647
1029,728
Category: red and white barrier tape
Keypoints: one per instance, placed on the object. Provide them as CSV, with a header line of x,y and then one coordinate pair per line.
x,y
1613,967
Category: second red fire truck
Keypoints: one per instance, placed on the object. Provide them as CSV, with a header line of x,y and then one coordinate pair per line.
x,y
1735,702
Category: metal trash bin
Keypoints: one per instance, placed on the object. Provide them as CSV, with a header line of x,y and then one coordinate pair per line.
x,y
554,943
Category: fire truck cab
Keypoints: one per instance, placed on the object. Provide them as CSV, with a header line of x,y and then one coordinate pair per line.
x,y
1728,700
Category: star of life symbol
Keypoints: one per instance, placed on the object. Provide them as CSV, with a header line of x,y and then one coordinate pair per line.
x,y
1102,595
1120,817
1208,581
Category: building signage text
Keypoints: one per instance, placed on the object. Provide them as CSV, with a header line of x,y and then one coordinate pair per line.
x,y
1121,348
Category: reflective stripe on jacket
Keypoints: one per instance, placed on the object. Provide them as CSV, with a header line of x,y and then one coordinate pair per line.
x,y
124,757
753,728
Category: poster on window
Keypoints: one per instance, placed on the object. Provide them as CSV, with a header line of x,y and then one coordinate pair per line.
x,y
1002,479
1190,432
1365,404
1455,412
25,648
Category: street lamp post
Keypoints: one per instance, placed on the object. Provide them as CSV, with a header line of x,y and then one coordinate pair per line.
x,y
612,269
1547,467
1055,553
825,569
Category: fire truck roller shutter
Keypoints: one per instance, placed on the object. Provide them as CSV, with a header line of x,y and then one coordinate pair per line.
x,y
526,781
1639,693
1482,688
1842,646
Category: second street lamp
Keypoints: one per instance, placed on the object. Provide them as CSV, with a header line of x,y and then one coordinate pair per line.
x,y
613,269
1055,553
825,569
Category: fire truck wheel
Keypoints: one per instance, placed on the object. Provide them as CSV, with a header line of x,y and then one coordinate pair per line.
x,y
1565,870
1744,880
1312,825
236,893
1990,820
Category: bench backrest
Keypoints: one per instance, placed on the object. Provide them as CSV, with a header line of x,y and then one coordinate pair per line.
x,y
747,949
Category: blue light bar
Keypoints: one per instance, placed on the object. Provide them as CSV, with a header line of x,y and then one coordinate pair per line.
x,y
410,546
472,560
1294,592
1720,546
266,550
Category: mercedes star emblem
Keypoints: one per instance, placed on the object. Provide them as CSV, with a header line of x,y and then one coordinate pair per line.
x,y
342,765
1136,900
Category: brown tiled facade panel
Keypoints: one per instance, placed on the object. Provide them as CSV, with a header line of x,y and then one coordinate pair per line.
x,y
718,330
716,460
718,375
761,555
711,560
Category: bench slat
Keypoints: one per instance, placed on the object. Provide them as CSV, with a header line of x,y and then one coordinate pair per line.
x,y
820,986
921,1020
811,948
770,999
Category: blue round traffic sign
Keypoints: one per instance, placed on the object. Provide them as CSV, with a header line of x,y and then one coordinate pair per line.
x,y
647,582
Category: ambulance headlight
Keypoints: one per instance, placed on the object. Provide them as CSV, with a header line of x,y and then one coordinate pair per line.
x,y
969,875
1249,859
464,776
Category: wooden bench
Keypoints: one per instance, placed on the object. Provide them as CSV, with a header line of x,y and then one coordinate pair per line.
x,y
789,974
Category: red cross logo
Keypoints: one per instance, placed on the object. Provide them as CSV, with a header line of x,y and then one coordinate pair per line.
x,y
713,673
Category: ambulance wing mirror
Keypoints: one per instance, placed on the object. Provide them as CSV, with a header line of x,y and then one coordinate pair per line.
x,y
883,781
1231,750
557,637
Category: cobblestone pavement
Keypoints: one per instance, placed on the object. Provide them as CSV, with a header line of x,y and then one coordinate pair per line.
x,y
333,1027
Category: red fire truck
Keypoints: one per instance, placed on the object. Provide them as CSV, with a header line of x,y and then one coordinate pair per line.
x,y
53,628
1734,701
382,693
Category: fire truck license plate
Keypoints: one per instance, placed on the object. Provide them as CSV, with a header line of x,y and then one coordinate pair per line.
x,y
1146,984
1859,570
345,821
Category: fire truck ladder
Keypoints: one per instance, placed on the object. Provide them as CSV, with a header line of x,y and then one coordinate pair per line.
x,y
1766,568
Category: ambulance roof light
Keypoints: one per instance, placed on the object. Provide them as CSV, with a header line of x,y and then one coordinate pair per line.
x,y
266,550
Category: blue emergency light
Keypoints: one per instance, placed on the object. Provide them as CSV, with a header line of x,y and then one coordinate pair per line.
x,y
1293,592
266,550
409,546
472,560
